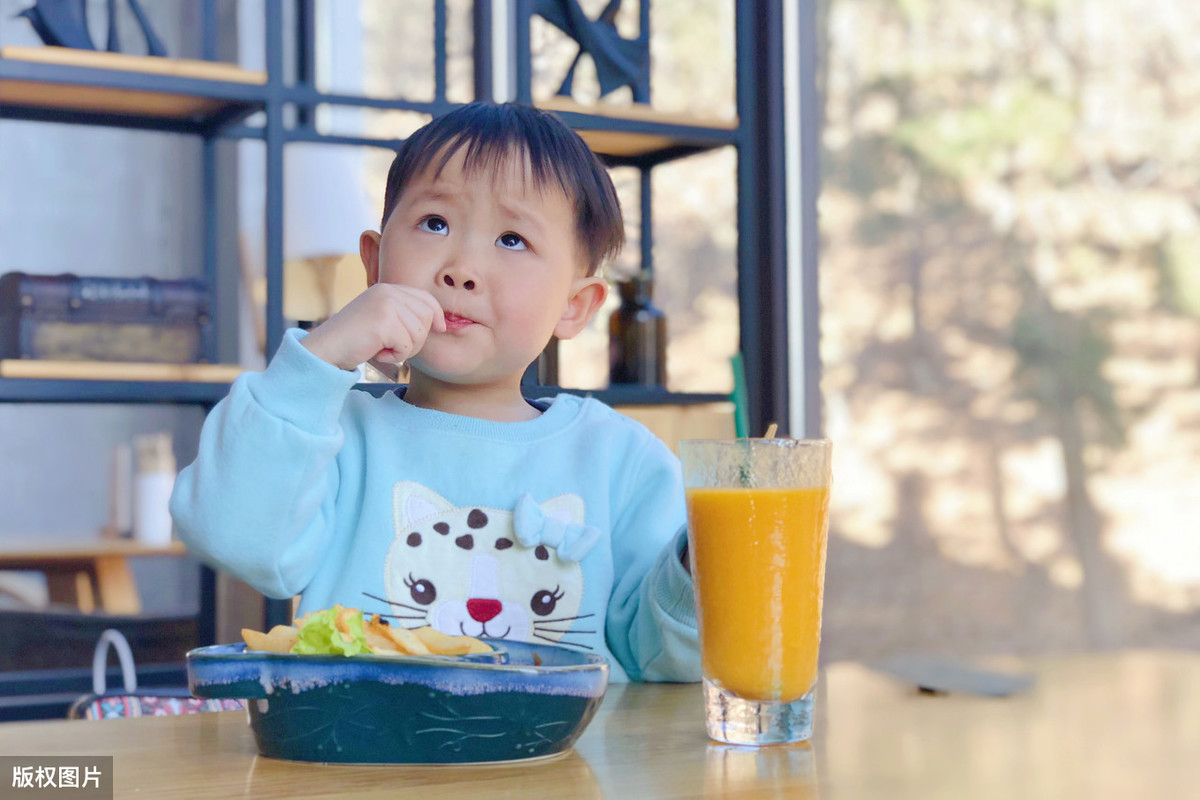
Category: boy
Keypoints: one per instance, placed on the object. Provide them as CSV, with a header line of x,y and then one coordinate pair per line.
x,y
455,501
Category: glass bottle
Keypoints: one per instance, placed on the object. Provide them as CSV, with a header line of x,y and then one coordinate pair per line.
x,y
637,336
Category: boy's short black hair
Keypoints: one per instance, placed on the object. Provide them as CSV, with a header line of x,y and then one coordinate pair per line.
x,y
491,133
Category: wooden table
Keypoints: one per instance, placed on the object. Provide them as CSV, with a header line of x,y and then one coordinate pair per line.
x,y
1124,725
93,575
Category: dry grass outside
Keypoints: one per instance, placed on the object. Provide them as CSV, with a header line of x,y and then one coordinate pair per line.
x,y
1011,342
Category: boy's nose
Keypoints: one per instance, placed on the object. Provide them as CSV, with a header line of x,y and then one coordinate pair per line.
x,y
451,281
461,266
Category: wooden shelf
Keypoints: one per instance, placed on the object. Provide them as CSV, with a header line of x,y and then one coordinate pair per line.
x,y
173,93
117,371
17,550
93,575
34,381
74,81
639,131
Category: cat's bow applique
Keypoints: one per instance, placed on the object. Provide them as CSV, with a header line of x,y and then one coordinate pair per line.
x,y
533,526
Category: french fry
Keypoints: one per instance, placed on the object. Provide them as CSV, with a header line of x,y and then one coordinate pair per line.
x,y
342,621
382,645
377,625
408,642
444,644
381,637
400,640
477,646
280,639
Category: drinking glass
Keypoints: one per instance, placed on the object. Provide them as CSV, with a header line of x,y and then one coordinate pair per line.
x,y
757,528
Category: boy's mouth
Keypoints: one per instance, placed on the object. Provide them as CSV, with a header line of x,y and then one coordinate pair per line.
x,y
456,322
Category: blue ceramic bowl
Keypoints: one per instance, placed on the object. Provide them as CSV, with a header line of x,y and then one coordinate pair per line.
x,y
523,701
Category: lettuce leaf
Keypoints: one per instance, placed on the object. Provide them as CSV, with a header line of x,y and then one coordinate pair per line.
x,y
319,635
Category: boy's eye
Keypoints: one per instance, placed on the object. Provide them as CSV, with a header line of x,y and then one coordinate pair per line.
x,y
511,241
434,224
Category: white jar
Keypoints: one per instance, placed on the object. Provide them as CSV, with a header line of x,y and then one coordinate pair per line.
x,y
152,487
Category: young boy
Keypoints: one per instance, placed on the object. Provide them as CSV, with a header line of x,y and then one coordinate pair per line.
x,y
455,501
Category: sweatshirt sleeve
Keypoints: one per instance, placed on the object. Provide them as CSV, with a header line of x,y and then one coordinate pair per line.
x,y
651,626
258,500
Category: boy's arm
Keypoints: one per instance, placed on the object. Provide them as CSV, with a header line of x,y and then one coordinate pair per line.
x,y
258,499
651,626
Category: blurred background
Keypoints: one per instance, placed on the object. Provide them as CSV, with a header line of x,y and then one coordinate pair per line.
x,y
1009,270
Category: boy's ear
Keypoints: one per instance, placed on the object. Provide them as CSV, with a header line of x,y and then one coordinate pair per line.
x,y
368,249
587,295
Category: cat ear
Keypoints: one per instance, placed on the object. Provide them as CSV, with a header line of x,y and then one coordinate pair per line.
x,y
566,508
412,502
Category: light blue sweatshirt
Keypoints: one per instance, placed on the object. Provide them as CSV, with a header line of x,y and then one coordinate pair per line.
x,y
564,529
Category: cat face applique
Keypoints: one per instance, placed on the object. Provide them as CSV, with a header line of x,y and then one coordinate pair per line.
x,y
466,570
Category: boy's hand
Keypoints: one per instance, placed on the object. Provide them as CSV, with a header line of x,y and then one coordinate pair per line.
x,y
388,322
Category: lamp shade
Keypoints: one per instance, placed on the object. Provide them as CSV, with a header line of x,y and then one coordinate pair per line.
x,y
324,211
325,204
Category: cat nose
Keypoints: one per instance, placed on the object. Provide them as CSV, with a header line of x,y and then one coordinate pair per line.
x,y
483,610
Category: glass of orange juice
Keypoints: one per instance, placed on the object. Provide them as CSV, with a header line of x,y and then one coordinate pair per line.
x,y
757,526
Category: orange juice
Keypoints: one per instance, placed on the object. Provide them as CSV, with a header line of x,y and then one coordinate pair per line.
x,y
759,568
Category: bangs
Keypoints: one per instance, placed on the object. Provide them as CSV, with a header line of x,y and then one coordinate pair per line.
x,y
494,158
491,137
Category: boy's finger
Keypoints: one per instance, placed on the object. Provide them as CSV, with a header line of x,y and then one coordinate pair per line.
x,y
411,332
413,327
437,318
388,356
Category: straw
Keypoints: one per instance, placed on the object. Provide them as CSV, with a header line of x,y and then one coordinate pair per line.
x,y
740,398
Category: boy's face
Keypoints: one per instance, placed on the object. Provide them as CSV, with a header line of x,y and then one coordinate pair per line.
x,y
499,254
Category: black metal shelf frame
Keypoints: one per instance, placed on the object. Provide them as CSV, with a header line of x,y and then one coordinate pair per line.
x,y
46,693
690,138
30,390
242,100
616,394
38,390
758,139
